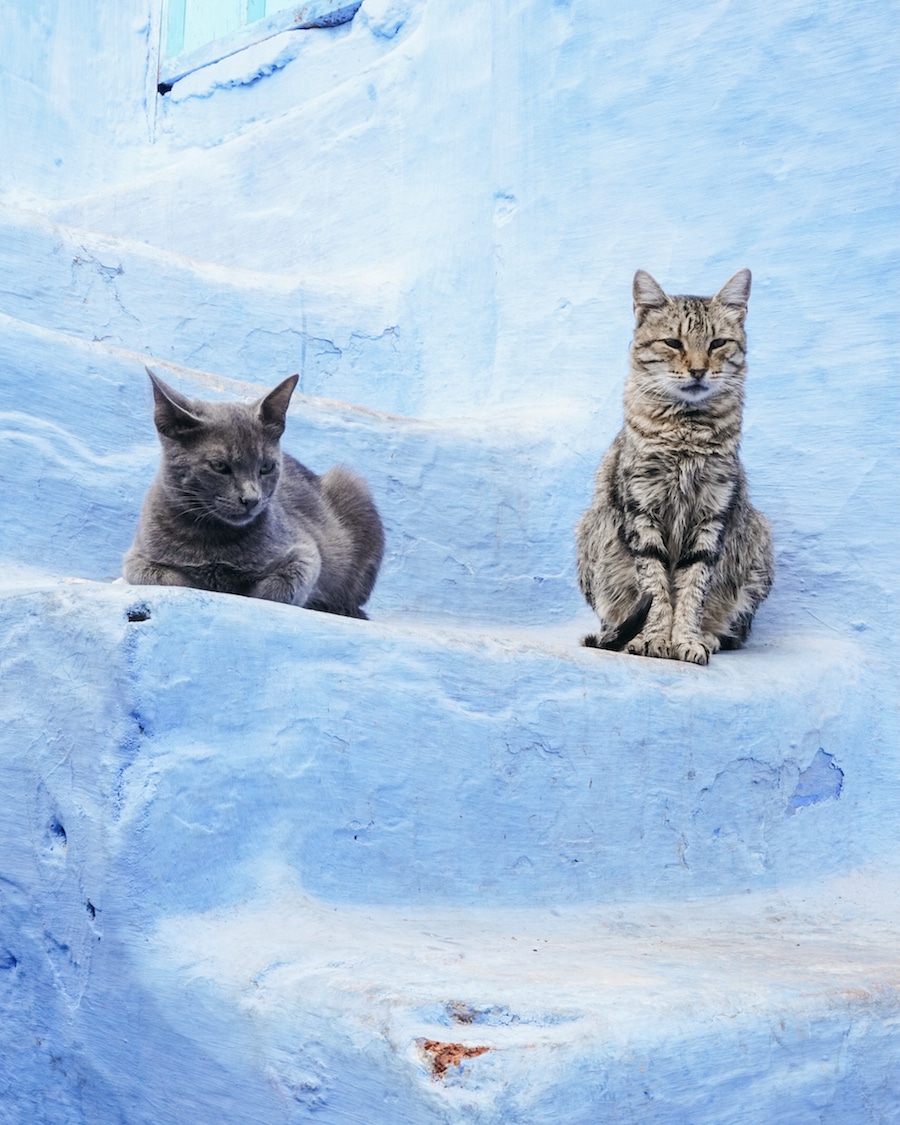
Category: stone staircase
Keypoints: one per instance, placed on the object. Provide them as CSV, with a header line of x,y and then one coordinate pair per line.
x,y
263,865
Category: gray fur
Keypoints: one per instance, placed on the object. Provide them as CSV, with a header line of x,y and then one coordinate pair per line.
x,y
230,511
670,517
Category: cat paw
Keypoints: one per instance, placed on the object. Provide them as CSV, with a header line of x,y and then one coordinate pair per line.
x,y
693,651
658,647
712,642
277,588
654,645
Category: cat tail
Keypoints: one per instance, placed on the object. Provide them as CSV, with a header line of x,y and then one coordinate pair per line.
x,y
615,639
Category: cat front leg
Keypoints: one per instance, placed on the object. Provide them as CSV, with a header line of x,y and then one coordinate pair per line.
x,y
636,499
623,567
705,582
655,639
643,540
691,582
141,571
292,579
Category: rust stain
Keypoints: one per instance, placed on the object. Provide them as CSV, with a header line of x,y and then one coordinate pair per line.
x,y
444,1055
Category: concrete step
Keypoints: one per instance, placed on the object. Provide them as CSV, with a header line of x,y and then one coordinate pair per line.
x,y
393,763
338,331
479,513
779,1007
314,869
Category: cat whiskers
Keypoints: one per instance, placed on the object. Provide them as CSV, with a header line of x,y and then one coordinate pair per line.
x,y
199,510
660,394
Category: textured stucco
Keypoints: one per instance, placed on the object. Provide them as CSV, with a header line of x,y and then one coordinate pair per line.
x,y
262,865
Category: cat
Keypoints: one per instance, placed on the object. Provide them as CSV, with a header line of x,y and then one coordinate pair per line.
x,y
671,555
229,511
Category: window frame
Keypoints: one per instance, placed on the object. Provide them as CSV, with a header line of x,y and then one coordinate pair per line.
x,y
311,14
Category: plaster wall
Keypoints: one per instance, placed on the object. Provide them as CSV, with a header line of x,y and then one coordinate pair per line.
x,y
433,214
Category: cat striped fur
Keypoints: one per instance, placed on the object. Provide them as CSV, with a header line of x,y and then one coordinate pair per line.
x,y
670,541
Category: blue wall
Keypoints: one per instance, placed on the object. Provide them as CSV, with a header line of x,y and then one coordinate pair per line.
x,y
434,214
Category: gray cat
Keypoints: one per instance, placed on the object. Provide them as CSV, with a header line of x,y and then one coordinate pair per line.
x,y
671,555
229,511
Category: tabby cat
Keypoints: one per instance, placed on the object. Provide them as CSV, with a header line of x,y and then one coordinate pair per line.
x,y
671,555
229,511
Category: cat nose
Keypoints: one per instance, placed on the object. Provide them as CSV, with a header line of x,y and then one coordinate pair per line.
x,y
697,373
250,500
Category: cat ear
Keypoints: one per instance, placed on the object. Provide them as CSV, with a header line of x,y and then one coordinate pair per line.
x,y
647,294
273,408
172,411
736,291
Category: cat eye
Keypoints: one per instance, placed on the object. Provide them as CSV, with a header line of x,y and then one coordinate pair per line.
x,y
717,343
676,344
266,467
220,467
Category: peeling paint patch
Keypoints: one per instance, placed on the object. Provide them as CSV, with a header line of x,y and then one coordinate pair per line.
x,y
441,1056
822,780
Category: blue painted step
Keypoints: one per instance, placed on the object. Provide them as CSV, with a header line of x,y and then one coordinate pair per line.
x,y
310,868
